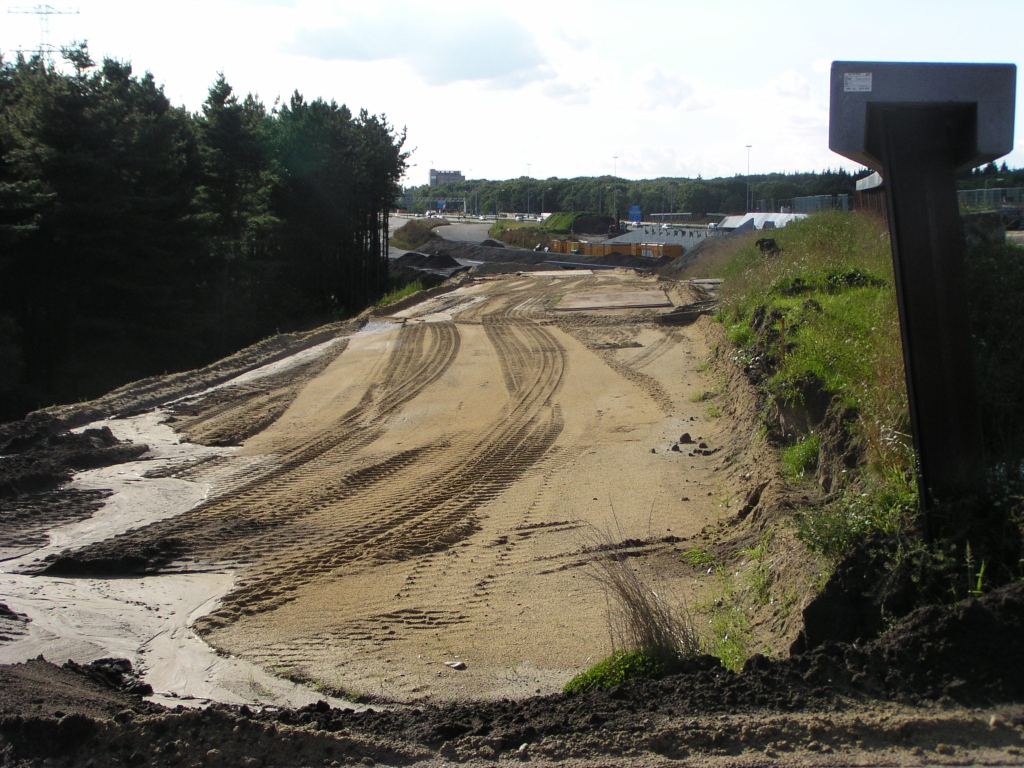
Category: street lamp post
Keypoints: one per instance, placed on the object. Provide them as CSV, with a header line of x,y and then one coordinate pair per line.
x,y
747,201
616,166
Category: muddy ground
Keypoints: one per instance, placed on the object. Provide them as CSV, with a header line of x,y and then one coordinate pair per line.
x,y
421,495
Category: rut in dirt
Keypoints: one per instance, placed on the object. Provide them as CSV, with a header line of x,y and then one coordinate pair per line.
x,y
318,507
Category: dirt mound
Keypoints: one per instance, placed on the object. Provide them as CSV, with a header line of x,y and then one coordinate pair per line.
x,y
139,396
436,261
97,690
40,455
408,274
489,243
971,653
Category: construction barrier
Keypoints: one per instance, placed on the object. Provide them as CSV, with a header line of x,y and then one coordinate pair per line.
x,y
648,250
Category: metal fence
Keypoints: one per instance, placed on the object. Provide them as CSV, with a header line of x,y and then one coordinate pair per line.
x,y
816,203
984,199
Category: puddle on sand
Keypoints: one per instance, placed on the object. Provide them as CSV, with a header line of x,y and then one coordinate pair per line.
x,y
145,619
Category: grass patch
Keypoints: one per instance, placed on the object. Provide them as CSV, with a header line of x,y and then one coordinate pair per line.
x,y
730,630
701,395
564,222
400,293
415,232
620,667
833,530
760,578
698,556
825,307
520,234
801,457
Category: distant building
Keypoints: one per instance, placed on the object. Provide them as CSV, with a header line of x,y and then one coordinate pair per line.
x,y
760,220
870,195
437,178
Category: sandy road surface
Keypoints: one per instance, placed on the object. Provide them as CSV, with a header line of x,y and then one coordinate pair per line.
x,y
465,231
427,494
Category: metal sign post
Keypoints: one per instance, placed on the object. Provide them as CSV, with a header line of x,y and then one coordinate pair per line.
x,y
918,124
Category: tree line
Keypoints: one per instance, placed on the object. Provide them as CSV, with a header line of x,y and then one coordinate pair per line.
x,y
137,237
610,194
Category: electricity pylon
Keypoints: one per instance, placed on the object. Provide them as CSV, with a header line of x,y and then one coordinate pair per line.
x,y
44,12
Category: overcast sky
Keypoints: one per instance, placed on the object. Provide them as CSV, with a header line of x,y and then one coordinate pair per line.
x,y
547,87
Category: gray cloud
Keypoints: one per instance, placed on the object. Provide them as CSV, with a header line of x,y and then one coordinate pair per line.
x,y
442,47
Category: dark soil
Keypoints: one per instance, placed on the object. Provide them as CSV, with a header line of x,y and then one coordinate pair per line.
x,y
13,625
970,654
140,396
425,261
37,456
25,520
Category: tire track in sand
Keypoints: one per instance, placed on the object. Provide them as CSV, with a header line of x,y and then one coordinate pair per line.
x,y
294,482
407,517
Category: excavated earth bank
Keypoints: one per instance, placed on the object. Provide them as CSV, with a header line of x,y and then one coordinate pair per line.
x,y
374,542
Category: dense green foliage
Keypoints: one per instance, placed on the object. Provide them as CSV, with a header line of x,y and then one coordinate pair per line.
x,y
990,176
609,194
823,311
137,238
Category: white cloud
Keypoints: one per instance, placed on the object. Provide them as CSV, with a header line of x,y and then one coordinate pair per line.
x,y
790,85
574,40
572,95
821,66
441,47
658,89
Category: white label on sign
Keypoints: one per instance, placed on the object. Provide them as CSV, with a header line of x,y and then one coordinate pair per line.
x,y
857,82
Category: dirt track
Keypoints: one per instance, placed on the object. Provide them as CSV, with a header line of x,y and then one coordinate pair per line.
x,y
425,491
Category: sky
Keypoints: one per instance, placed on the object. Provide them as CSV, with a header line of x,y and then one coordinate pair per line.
x,y
546,87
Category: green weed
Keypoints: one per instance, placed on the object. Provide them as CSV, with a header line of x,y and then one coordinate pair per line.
x,y
619,667
801,457
698,556
400,293
760,578
730,635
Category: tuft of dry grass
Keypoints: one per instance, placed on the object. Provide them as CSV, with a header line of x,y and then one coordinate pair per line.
x,y
640,615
